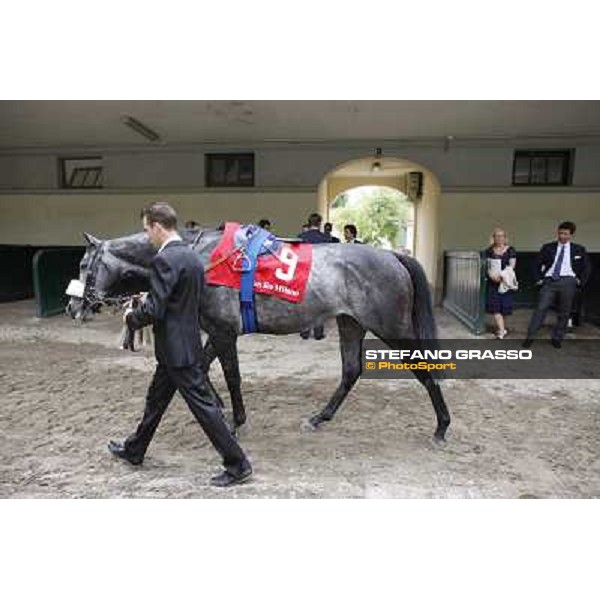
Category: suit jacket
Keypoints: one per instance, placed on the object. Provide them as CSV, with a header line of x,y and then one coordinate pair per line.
x,y
580,261
173,306
314,236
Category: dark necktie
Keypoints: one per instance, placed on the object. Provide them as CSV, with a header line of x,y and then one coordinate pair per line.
x,y
558,265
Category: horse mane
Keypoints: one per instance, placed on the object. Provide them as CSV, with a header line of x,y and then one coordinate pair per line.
x,y
132,248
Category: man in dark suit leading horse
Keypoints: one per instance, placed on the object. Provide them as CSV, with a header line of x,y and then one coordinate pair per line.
x,y
173,307
563,267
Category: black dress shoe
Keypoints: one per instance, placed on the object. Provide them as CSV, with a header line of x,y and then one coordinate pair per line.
x,y
226,479
527,343
119,451
556,343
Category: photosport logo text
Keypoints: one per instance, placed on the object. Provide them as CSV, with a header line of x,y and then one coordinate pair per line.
x,y
432,359
479,359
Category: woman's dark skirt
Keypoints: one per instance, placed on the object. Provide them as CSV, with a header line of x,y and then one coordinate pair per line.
x,y
497,303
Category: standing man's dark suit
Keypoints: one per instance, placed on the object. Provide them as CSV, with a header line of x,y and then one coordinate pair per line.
x,y
172,306
559,285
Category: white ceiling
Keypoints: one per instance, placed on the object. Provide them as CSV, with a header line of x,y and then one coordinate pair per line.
x,y
39,124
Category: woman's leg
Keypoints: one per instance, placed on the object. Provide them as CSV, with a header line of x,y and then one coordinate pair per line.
x,y
499,320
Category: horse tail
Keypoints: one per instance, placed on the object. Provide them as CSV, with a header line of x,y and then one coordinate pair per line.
x,y
422,310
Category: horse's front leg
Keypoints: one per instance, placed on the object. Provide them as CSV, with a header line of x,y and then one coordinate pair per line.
x,y
208,356
225,347
351,336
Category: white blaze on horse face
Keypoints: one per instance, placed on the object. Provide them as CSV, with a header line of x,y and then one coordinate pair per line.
x,y
289,258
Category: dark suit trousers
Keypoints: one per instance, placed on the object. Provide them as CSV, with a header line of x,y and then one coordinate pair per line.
x,y
193,386
561,293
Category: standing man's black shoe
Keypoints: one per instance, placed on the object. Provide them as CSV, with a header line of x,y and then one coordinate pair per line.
x,y
226,479
119,451
527,343
556,343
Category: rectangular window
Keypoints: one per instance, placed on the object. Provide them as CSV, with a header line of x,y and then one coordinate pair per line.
x,y
83,172
543,167
230,170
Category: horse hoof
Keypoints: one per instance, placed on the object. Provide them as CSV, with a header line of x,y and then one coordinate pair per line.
x,y
230,422
241,430
309,425
439,443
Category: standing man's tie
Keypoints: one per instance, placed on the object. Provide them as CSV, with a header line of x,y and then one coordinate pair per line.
x,y
558,265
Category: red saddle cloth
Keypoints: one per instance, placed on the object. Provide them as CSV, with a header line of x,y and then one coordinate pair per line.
x,y
283,274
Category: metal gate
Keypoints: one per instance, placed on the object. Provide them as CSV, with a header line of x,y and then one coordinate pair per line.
x,y
52,271
465,287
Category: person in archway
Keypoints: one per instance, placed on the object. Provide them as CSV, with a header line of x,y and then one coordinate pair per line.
x,y
350,233
564,267
173,307
314,235
327,229
499,295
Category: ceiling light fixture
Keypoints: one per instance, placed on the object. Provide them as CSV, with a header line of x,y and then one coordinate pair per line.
x,y
140,128
376,166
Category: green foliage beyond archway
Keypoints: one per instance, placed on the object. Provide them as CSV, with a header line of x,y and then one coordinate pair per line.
x,y
379,214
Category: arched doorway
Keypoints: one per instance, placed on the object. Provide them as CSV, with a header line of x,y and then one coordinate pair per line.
x,y
417,183
383,216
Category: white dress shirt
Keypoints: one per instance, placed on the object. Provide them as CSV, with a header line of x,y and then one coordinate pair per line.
x,y
172,238
565,267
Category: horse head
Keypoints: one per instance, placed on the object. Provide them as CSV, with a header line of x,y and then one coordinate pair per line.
x,y
109,270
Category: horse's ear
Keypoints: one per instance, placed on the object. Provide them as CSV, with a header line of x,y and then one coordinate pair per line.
x,y
91,240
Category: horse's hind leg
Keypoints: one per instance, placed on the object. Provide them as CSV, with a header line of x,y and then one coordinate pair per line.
x,y
439,405
351,336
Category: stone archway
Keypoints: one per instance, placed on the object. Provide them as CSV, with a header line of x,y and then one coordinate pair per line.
x,y
382,214
416,181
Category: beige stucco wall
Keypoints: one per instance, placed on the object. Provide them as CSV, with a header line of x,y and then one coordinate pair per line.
x,y
529,217
427,237
337,185
59,218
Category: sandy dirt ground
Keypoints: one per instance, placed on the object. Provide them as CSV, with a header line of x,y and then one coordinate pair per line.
x,y
66,389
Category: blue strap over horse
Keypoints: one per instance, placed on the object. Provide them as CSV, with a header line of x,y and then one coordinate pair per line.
x,y
253,242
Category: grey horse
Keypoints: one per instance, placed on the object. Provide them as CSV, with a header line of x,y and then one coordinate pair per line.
x,y
364,288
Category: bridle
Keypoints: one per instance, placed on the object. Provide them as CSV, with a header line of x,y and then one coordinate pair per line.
x,y
91,300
